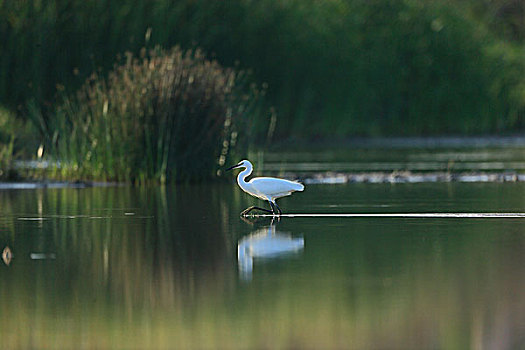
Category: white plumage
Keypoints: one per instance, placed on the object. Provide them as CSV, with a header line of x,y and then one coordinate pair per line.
x,y
265,188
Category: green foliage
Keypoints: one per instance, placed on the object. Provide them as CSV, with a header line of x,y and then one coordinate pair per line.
x,y
334,67
166,116
6,144
6,158
383,68
18,139
506,18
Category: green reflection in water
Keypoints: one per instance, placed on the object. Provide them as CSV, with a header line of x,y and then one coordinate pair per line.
x,y
157,268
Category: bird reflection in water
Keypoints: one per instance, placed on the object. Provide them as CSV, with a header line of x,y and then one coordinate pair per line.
x,y
265,243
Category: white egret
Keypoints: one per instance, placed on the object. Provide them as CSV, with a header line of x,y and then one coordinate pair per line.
x,y
265,188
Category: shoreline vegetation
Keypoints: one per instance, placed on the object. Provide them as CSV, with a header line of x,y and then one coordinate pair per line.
x,y
167,92
459,164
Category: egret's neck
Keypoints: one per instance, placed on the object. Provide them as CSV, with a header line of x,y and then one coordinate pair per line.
x,y
241,178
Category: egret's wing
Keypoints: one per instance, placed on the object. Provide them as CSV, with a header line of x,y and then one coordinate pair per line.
x,y
272,187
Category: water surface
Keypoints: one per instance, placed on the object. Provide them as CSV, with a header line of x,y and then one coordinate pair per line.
x,y
388,157
159,268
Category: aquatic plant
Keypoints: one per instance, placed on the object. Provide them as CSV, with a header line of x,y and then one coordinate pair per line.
x,y
167,115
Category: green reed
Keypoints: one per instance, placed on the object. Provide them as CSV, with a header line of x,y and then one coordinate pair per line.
x,y
164,116
6,159
13,133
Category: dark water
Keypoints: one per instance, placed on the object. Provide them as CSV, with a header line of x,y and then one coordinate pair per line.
x,y
113,268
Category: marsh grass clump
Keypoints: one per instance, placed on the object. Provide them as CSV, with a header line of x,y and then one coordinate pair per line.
x,y
163,116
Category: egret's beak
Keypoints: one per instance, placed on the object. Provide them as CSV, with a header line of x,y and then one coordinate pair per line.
x,y
233,167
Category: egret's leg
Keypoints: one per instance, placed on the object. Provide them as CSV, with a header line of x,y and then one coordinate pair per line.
x,y
274,211
248,210
278,209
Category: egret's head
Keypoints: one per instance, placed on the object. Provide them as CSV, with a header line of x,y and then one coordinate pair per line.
x,y
241,164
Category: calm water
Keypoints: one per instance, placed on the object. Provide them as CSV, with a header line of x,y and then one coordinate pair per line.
x,y
159,268
381,158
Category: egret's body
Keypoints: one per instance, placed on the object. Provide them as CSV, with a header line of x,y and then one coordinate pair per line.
x,y
265,188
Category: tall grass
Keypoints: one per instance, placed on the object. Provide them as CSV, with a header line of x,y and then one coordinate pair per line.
x,y
6,159
383,67
164,116
9,128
